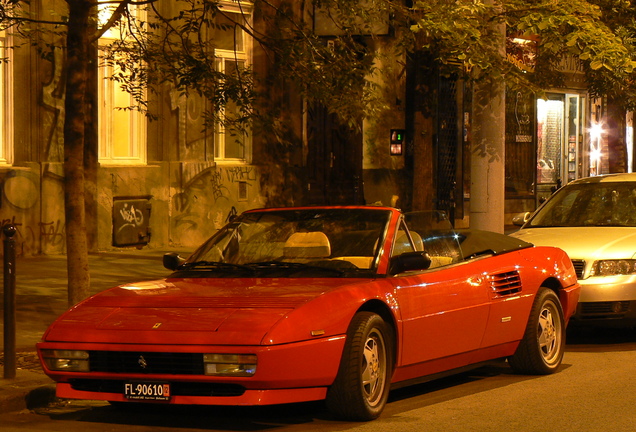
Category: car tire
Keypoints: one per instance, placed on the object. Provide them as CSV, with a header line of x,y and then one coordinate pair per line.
x,y
361,387
540,352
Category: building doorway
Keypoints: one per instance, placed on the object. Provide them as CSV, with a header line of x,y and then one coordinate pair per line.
x,y
560,118
334,160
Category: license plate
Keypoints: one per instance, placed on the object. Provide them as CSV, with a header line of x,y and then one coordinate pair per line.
x,y
147,391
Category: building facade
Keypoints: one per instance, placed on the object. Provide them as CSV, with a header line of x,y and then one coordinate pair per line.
x,y
171,182
162,183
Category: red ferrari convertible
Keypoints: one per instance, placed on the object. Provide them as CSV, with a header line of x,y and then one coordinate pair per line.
x,y
301,304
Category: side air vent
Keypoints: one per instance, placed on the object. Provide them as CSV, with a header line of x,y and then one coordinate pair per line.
x,y
505,284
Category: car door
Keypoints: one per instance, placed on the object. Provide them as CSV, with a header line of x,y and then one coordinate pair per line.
x,y
445,308
444,312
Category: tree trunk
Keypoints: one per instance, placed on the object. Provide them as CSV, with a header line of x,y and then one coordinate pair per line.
x,y
91,150
74,130
423,156
418,161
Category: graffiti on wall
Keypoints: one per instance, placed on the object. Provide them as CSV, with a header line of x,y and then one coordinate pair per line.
x,y
131,221
208,199
31,240
216,186
39,228
52,234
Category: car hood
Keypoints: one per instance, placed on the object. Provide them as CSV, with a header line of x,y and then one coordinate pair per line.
x,y
188,311
585,242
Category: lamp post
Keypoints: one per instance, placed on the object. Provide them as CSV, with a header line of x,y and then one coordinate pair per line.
x,y
9,231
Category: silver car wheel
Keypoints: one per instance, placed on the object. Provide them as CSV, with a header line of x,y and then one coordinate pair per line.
x,y
541,349
549,332
361,387
374,367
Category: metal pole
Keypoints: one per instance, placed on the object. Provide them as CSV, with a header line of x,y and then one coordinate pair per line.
x,y
9,301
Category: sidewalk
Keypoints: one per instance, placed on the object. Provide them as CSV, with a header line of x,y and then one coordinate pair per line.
x,y
41,296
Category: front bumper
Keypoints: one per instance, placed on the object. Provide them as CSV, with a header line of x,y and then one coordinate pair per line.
x,y
606,301
246,398
287,373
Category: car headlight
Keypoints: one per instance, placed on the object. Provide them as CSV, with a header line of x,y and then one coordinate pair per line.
x,y
613,267
66,360
230,364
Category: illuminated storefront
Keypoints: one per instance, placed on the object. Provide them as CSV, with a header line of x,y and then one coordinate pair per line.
x,y
561,135
560,141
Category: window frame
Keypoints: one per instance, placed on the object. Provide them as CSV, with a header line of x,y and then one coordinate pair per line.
x,y
137,145
6,99
222,56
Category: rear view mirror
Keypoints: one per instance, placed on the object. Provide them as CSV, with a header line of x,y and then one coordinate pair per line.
x,y
409,261
521,218
172,260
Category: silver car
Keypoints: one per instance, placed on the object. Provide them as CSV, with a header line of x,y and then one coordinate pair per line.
x,y
594,220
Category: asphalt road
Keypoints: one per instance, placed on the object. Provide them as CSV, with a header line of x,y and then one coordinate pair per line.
x,y
593,391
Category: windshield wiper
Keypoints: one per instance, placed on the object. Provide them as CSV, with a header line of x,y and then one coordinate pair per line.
x,y
276,264
292,266
214,265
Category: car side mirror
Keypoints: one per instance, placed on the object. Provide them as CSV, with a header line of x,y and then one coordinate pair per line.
x,y
409,261
172,260
521,218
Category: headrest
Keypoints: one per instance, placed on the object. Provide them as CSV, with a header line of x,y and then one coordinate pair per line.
x,y
403,244
313,244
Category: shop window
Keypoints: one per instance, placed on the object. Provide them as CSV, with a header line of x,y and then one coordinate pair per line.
x,y
6,100
559,135
550,140
122,127
232,50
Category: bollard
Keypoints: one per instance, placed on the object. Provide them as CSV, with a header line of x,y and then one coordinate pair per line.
x,y
9,301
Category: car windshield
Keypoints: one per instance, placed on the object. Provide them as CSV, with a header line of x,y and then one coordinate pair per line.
x,y
305,242
589,204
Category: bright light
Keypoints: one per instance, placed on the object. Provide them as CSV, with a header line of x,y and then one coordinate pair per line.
x,y
596,131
